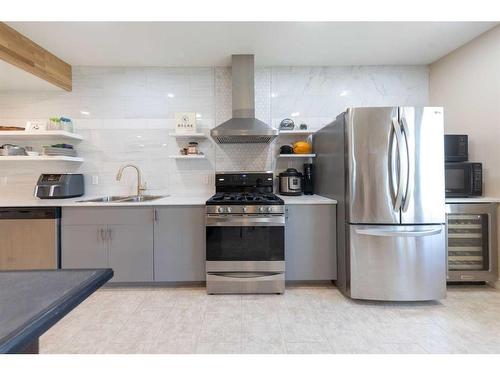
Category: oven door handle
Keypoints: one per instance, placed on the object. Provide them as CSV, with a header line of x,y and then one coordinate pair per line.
x,y
245,275
245,221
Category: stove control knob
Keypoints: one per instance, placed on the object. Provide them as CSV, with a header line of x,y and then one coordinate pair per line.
x,y
269,209
220,209
245,209
261,209
228,210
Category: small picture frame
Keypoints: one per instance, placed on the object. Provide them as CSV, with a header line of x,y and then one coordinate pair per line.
x,y
33,126
185,123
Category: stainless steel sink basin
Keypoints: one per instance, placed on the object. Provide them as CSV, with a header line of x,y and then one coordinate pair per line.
x,y
123,199
109,199
143,198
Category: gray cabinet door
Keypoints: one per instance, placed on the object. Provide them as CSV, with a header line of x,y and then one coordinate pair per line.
x,y
123,241
131,252
179,246
310,242
84,246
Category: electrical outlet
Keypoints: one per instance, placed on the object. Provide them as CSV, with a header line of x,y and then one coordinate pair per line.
x,y
206,180
95,180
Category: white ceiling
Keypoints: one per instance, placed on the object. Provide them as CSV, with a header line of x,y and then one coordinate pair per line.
x,y
14,79
273,43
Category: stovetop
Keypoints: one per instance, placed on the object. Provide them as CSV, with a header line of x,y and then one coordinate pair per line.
x,y
234,198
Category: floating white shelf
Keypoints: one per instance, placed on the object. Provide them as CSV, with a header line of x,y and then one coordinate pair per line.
x,y
188,157
41,158
40,135
297,155
296,132
192,135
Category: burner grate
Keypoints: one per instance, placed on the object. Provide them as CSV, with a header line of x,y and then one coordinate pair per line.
x,y
245,198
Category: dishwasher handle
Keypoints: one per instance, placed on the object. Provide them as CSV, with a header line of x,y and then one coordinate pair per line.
x,y
30,213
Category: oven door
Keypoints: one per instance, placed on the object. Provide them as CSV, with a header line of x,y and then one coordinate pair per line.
x,y
245,254
245,238
458,180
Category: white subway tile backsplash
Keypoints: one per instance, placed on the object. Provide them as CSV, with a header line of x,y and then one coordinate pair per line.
x,y
223,92
147,107
126,114
106,82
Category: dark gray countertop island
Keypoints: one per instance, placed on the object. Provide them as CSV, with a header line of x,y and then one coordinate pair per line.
x,y
33,301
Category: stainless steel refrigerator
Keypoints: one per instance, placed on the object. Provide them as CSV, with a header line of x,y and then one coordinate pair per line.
x,y
385,167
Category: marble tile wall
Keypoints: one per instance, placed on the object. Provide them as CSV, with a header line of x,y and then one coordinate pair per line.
x,y
126,113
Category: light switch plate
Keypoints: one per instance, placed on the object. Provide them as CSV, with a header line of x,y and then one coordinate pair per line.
x,y
95,180
35,125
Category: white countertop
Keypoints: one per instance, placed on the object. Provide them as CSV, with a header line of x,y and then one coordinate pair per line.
x,y
74,202
172,200
473,200
307,199
175,200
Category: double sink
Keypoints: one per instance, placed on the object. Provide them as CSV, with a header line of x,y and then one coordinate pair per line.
x,y
124,199
138,198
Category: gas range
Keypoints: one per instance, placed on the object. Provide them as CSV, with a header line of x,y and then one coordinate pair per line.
x,y
245,235
245,203
245,193
244,199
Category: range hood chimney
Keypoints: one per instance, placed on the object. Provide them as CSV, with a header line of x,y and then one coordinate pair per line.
x,y
243,127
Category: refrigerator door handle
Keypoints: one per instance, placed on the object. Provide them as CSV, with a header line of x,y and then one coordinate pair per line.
x,y
399,140
409,170
397,233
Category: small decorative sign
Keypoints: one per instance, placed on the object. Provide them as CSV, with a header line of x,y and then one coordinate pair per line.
x,y
185,122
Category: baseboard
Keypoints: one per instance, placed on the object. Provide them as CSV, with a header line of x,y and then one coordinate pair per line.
x,y
155,284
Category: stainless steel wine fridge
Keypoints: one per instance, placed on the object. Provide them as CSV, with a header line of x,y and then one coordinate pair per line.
x,y
472,242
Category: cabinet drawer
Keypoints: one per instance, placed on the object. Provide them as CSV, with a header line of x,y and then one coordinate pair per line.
x,y
106,215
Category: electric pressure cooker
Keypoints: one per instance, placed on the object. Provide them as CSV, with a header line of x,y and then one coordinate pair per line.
x,y
290,182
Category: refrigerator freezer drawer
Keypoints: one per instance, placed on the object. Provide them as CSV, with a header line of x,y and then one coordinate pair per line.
x,y
397,263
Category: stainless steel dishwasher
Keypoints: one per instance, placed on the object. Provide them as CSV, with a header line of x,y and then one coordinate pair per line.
x,y
29,238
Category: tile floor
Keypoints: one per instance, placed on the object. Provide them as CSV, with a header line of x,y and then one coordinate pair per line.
x,y
304,320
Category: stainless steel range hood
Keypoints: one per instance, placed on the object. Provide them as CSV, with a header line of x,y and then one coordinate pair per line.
x,y
243,127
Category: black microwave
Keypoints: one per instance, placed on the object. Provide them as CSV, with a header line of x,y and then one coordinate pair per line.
x,y
456,147
463,179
